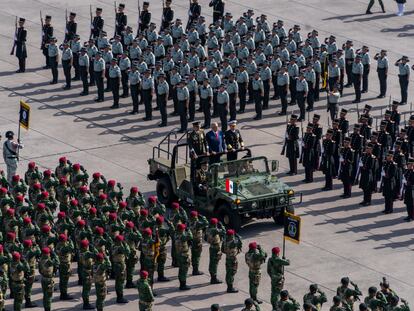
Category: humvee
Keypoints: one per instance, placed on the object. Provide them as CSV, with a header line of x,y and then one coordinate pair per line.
x,y
234,191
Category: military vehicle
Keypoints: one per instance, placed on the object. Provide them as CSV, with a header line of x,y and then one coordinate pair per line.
x,y
234,191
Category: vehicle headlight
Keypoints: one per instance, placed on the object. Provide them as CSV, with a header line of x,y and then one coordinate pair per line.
x,y
237,201
282,200
254,205
291,192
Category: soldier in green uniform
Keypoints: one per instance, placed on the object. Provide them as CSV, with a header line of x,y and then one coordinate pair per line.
x,y
120,251
214,235
148,254
3,282
86,261
345,281
31,254
18,268
198,224
163,233
177,216
65,251
183,239
336,304
393,306
197,144
232,246
5,259
287,302
101,270
315,297
275,269
146,297
255,257
375,299
249,304
47,266
132,238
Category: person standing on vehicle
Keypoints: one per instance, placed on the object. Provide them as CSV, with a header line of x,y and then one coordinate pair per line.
x,y
234,141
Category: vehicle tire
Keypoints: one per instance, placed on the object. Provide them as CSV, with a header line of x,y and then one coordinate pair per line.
x,y
165,192
280,217
229,217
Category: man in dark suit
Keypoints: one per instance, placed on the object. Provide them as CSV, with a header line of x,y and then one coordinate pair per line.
x,y
20,45
216,143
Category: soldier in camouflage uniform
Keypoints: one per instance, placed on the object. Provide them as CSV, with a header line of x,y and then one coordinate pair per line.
x,y
255,257
183,239
148,254
120,251
375,299
345,281
146,297
5,260
98,184
155,207
198,225
132,238
47,266
163,233
275,269
86,261
287,302
214,235
65,251
18,268
101,270
232,246
63,169
315,297
249,304
178,216
135,200
336,304
3,282
31,254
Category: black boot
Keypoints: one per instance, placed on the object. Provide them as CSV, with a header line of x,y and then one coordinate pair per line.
x,y
29,303
183,285
162,278
121,299
231,289
88,306
215,280
65,297
196,271
129,284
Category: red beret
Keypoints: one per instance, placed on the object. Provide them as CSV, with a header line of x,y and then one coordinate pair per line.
x,y
47,173
160,219
103,196
130,224
62,180
27,220
194,214
10,211
100,256
230,232
81,223
96,175
16,178
214,221
61,215
134,190
143,212
16,256
119,238
1,247
46,250
92,211
99,230
83,189
111,183
276,250
152,199
63,237
143,274
148,231
122,204
112,216
28,243
3,190
45,194
45,228
84,243
11,235
76,166
74,202
62,160
252,245
181,227
37,186
175,205
31,165
20,198
41,205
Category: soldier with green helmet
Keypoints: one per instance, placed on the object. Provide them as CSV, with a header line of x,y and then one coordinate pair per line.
x,y
47,266
232,246
315,297
198,224
214,235
287,302
183,239
255,257
275,269
31,254
101,270
120,251
18,269
86,261
146,297
65,251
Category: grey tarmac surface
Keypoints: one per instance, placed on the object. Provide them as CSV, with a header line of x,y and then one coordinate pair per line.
x,y
339,238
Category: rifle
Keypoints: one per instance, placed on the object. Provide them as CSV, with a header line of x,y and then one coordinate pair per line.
x,y
284,147
15,37
90,13
116,21
42,34
139,18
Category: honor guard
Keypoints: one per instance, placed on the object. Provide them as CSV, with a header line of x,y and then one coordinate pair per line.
x,y
282,88
75,46
377,152
403,77
162,97
193,90
317,131
218,10
266,76
234,141
84,70
327,160
125,66
183,96
47,34
67,61
121,20
99,72
365,129
390,126
410,135
115,79
233,91
53,54
206,98
258,92
345,167
307,157
395,117
366,62
408,188
167,15
338,138
382,71
97,24
193,13
388,185
223,100
367,115
91,50
291,145
20,45
333,101
357,72
147,91
357,144
310,78
71,27
145,17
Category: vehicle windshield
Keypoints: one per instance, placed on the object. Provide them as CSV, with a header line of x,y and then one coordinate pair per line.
x,y
243,167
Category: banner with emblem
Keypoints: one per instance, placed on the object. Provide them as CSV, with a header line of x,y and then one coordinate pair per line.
x,y
24,115
292,228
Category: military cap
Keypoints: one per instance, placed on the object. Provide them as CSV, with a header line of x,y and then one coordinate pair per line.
x,y
323,46
161,75
345,280
316,116
343,110
99,53
98,9
387,112
121,5
115,37
249,302
363,307
83,49
363,117
284,293
48,17
412,117
22,20
339,51
390,153
65,43
52,39
183,81
335,121
114,60
146,3
358,56
403,130
332,37
374,133
349,42
329,131
233,122
215,307
348,139
337,299
405,58
383,51
196,123
368,107
357,126
148,71
310,125
395,102
76,36
394,299
397,143
364,47
294,116
72,14
410,160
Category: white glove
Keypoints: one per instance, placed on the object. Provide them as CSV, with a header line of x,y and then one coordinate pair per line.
x,y
360,164
382,173
341,159
92,26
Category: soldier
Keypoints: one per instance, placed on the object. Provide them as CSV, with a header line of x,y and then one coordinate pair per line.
x,y
183,239
232,246
375,299
124,65
382,71
328,162
394,300
67,62
336,304
167,15
389,182
307,156
147,259
367,167
147,91
120,251
163,90
234,141
146,297
53,54
243,83
223,100
97,24
183,97
198,224
345,167
408,184
316,297
71,27
357,73
282,88
144,18
99,72
255,257
86,261
163,232
206,96
275,269
357,142
11,154
218,10
193,13
20,45
121,20
341,290
101,270
301,93
403,77
115,78
197,142
47,266
18,269
134,84
47,34
65,251
193,90
291,145
31,255
214,235
333,101
84,70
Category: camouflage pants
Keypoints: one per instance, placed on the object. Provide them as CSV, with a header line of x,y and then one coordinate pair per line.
x,y
231,269
254,281
119,271
277,282
196,250
28,284
64,274
215,256
148,265
18,292
86,286
101,290
183,265
161,259
130,267
4,285
145,306
47,288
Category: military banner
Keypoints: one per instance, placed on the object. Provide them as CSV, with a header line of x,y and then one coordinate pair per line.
x,y
24,115
292,228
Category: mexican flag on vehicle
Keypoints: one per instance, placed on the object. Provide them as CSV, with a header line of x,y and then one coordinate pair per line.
x,y
231,186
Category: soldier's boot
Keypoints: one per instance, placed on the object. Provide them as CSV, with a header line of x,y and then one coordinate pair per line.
x,y
79,281
120,299
65,296
231,289
29,303
196,271
88,306
215,280
162,278
129,284
184,286
99,309
257,300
